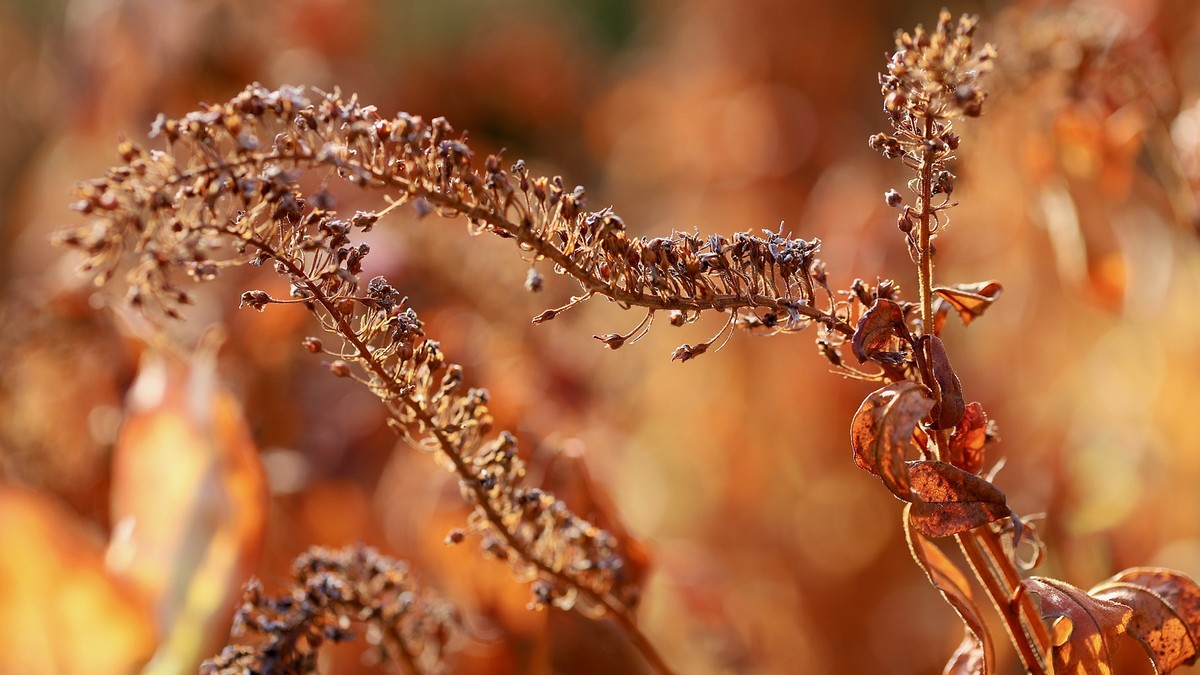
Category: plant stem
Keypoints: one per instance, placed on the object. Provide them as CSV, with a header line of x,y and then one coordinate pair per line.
x,y
925,235
1031,617
982,546
993,574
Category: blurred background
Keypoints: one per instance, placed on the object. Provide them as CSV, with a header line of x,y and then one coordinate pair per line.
x,y
769,551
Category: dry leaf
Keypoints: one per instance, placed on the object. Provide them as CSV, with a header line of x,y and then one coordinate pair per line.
x,y
948,500
882,431
970,300
876,329
969,440
1163,622
1085,629
976,654
950,410
188,505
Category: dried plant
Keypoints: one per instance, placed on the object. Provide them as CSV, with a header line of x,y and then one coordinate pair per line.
x,y
335,591
227,190
226,193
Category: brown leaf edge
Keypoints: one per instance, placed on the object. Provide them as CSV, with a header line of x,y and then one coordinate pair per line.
x,y
1166,613
882,430
976,655
970,300
1084,629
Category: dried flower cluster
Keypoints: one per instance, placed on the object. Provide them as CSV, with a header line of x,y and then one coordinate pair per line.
x,y
931,79
334,592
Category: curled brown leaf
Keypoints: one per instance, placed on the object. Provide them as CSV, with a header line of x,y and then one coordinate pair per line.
x,y
970,300
1085,628
950,407
876,329
969,440
882,432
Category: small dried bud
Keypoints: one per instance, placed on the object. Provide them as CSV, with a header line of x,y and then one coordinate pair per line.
x,y
830,352
611,340
970,99
951,140
895,102
533,281
893,198
677,318
943,183
456,536
312,345
545,316
255,299
904,221
340,368
886,145
688,352
817,270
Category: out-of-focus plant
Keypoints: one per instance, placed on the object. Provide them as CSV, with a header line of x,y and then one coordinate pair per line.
x,y
334,592
233,185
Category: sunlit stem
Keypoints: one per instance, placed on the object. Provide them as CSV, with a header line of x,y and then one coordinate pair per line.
x,y
1021,620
